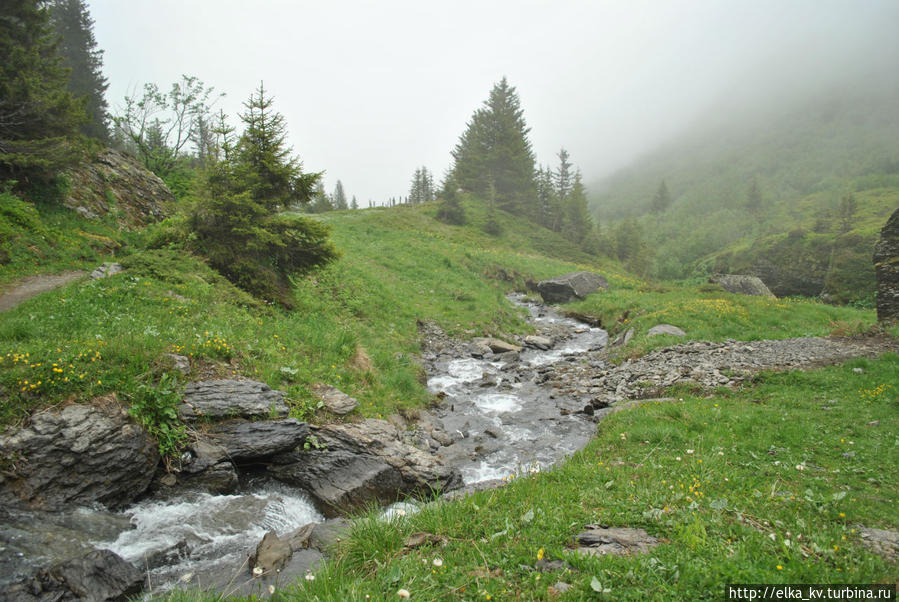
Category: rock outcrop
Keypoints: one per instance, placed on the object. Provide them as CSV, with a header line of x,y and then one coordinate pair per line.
x,y
356,464
116,182
222,399
81,454
569,287
886,269
98,575
742,285
244,441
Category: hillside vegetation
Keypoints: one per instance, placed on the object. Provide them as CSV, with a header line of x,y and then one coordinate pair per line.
x,y
794,194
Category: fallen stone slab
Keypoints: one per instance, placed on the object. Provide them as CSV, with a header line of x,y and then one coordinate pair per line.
x,y
576,285
222,399
243,440
538,342
616,541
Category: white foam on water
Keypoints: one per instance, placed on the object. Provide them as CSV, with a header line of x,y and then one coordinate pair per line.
x,y
211,526
498,402
458,371
485,472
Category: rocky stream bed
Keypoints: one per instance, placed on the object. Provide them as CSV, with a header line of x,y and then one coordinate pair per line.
x,y
504,407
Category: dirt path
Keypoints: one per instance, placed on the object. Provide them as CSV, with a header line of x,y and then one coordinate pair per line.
x,y
33,286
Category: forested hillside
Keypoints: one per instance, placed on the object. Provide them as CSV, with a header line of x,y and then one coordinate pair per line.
x,y
794,193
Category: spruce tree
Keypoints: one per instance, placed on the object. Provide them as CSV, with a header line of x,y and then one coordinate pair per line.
x,y
339,197
238,221
354,204
39,117
662,199
494,153
78,48
577,221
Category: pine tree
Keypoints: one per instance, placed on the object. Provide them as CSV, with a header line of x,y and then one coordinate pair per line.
x,y
78,48
237,221
577,221
563,177
494,152
662,199
339,197
451,210
321,202
548,212
39,117
354,204
422,187
275,178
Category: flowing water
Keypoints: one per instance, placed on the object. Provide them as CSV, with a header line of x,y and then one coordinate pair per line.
x,y
502,420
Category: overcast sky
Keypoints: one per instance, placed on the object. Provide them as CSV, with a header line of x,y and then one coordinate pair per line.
x,y
371,90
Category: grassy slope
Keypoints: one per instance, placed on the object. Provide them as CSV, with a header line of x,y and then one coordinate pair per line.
x,y
399,266
805,157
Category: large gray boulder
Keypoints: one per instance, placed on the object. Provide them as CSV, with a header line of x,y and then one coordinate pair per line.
x,y
222,399
80,455
569,287
357,464
886,270
243,440
742,285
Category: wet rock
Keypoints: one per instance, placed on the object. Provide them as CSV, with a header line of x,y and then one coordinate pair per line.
x,y
538,342
98,575
221,399
81,454
569,287
618,541
497,345
886,271
742,285
271,555
335,400
106,270
326,535
243,440
361,463
472,488
666,329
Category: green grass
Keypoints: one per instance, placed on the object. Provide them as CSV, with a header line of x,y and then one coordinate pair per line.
x,y
759,485
46,238
397,267
707,312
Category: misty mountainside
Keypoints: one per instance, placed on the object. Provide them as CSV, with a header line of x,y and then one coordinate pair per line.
x,y
794,194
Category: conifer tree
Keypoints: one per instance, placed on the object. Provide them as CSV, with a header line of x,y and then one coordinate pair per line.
x,y
548,213
494,151
39,117
354,204
238,223
563,177
577,221
338,200
422,188
78,48
662,199
451,210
